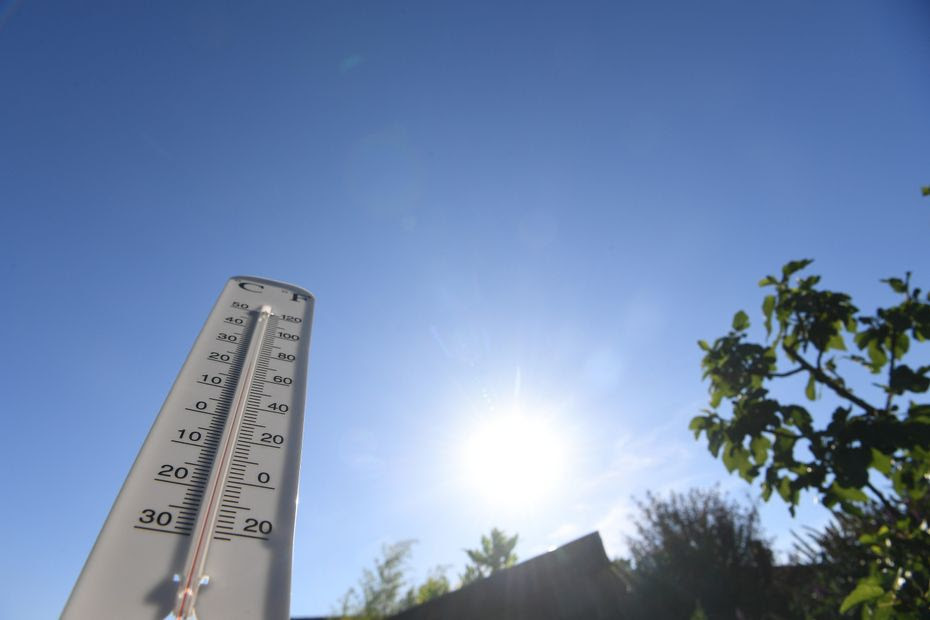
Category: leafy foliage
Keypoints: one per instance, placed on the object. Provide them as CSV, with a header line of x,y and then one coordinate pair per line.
x,y
873,454
379,589
471,573
436,585
496,552
837,562
699,555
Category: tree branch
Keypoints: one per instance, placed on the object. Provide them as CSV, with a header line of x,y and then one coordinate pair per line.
x,y
788,373
821,376
883,499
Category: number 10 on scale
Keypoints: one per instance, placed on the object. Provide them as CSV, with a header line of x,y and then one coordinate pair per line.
x,y
203,526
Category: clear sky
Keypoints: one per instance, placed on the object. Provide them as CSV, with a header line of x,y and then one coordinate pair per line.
x,y
501,208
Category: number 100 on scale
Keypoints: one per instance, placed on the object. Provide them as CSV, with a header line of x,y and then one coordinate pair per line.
x,y
203,526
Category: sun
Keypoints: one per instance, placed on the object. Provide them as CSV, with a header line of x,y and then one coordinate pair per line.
x,y
514,460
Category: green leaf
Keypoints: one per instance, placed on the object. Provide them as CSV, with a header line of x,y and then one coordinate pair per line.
x,y
809,282
904,379
760,448
811,390
883,609
785,490
901,344
925,190
867,590
768,281
735,457
768,306
703,344
896,284
848,494
698,424
795,265
836,342
766,491
729,458
877,356
916,411
881,462
740,321
871,539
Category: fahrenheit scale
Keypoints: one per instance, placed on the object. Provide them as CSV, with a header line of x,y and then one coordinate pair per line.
x,y
204,524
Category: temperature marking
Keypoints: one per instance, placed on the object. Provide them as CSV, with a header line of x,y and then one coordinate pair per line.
x,y
193,577
229,504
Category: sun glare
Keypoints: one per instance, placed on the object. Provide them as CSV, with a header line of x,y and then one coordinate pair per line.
x,y
514,461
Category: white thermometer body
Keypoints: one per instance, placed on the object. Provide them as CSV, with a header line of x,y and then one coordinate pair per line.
x,y
204,524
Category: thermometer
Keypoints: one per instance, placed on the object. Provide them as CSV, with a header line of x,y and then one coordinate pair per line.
x,y
204,524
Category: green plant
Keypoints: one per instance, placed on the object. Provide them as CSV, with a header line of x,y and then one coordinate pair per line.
x,y
872,455
699,554
379,588
496,552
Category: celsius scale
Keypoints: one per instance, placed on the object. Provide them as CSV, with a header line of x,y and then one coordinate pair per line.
x,y
204,524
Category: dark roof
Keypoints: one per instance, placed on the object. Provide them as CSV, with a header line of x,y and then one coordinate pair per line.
x,y
575,581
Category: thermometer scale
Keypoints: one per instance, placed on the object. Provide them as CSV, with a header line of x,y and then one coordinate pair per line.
x,y
204,524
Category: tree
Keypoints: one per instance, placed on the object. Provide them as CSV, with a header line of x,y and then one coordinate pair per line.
x,y
837,561
496,552
378,594
436,585
472,573
872,455
379,588
697,554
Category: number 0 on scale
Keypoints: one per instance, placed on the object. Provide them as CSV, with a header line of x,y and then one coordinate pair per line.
x,y
204,524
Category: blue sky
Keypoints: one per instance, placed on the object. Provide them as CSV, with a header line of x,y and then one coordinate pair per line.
x,y
537,206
